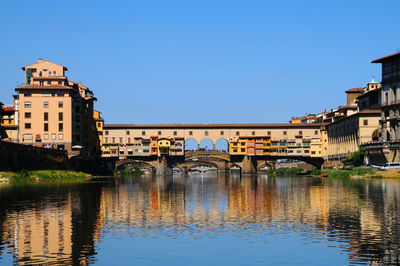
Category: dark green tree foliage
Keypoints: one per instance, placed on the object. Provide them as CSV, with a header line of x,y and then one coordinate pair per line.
x,y
356,159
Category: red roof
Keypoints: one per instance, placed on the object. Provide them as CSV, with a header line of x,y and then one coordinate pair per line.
x,y
8,108
380,60
43,87
52,78
355,90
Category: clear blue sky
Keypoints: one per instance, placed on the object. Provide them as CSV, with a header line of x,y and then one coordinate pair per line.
x,y
202,61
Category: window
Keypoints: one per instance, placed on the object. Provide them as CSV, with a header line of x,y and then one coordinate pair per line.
x,y
113,139
365,122
60,104
143,133
46,104
60,126
53,136
27,115
49,82
27,94
27,104
46,116
237,133
60,83
316,132
46,127
60,136
105,140
60,116
269,133
128,132
159,133
190,133
46,136
234,150
27,125
120,140
253,133
284,132
222,133
243,150
300,132
41,83
175,133
129,140
206,133
60,94
106,132
27,136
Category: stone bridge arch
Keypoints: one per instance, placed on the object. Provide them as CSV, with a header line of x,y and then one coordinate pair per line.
x,y
135,164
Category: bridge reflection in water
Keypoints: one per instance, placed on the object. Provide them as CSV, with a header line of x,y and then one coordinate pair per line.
x,y
67,223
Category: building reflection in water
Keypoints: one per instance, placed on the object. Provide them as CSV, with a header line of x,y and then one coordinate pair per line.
x,y
65,223
50,224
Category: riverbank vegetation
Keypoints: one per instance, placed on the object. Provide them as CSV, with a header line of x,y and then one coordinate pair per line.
x,y
129,171
292,171
347,172
43,176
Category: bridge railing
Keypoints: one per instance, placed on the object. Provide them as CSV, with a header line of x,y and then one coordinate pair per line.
x,y
200,153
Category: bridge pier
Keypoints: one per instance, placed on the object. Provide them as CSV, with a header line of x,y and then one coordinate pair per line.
x,y
223,168
162,168
249,165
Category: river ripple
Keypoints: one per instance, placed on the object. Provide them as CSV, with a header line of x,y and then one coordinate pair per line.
x,y
202,219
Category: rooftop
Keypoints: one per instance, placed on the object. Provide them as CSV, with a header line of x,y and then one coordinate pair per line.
x,y
353,90
210,126
385,58
38,87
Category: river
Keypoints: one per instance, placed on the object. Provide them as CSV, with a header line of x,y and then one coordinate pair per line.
x,y
202,219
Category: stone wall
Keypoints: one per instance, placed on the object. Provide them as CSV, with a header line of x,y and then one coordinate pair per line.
x,y
15,157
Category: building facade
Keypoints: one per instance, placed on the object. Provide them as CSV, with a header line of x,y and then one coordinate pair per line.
x,y
390,97
257,139
346,135
54,112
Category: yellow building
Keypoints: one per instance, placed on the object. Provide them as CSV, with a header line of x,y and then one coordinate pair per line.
x,y
238,146
346,135
164,146
254,145
99,127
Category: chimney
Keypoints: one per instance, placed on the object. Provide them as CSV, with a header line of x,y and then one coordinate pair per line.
x,y
40,60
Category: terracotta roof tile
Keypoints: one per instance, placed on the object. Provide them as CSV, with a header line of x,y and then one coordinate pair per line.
x,y
355,90
43,87
380,60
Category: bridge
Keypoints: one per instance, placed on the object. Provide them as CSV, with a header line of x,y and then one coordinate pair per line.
x,y
222,161
132,145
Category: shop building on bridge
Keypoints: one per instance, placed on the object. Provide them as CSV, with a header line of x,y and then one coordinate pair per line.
x,y
241,139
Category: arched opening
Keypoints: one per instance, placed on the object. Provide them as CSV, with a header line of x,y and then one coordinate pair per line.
x,y
203,167
375,135
206,145
191,145
222,145
136,165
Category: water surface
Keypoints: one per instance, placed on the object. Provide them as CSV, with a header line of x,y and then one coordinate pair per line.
x,y
202,219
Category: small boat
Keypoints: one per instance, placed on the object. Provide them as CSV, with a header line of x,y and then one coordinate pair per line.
x,y
323,176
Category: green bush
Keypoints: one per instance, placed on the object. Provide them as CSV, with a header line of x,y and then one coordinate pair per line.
x,y
287,171
356,159
128,171
316,171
